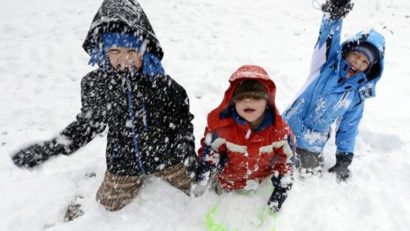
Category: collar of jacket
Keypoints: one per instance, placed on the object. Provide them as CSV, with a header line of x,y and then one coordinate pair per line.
x,y
337,72
136,76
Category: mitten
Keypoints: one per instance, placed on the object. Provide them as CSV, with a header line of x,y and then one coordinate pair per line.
x,y
201,179
36,154
282,186
198,189
206,171
337,9
343,160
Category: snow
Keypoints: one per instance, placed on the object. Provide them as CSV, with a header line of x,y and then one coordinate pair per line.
x,y
205,41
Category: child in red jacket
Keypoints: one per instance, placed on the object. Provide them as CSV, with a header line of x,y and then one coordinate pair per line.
x,y
246,139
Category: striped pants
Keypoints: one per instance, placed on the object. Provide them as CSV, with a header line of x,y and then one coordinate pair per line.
x,y
117,191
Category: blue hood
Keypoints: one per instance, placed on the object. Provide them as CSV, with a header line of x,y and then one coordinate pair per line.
x,y
375,39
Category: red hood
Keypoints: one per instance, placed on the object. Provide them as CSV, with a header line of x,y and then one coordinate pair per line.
x,y
243,73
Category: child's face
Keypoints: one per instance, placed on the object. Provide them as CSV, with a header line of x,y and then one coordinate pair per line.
x,y
358,63
251,109
124,58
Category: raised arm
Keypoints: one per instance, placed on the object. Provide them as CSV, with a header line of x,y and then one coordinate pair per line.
x,y
328,41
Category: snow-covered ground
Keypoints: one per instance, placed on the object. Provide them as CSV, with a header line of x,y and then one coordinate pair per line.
x,y
42,63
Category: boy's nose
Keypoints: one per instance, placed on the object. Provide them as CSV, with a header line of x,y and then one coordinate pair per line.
x,y
125,61
356,64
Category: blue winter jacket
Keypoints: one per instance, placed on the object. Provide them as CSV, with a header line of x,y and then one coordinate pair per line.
x,y
328,96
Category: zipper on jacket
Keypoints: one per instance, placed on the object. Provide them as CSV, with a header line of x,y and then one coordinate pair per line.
x,y
295,106
134,131
341,100
144,117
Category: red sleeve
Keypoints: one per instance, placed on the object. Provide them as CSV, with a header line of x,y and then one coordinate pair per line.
x,y
284,155
212,147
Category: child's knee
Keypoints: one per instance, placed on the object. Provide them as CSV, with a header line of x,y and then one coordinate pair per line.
x,y
116,192
178,176
311,163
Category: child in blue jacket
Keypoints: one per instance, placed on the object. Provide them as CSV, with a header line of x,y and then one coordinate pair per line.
x,y
341,78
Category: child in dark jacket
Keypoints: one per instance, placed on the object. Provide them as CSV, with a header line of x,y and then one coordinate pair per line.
x,y
146,111
342,77
246,139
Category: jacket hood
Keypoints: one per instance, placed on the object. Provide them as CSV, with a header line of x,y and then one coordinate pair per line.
x,y
216,117
374,39
122,16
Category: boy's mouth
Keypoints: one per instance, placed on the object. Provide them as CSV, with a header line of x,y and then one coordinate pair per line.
x,y
351,71
249,110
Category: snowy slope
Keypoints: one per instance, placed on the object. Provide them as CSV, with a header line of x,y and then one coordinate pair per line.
x,y
42,63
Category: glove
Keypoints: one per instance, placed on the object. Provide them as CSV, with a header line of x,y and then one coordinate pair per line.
x,y
35,154
204,175
201,179
198,189
343,160
337,9
201,182
279,194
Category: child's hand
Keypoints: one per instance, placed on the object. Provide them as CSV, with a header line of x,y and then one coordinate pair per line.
x,y
342,173
198,189
343,160
282,185
276,199
337,9
33,155
201,182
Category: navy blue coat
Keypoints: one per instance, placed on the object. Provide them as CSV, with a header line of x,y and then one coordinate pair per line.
x,y
147,113
149,123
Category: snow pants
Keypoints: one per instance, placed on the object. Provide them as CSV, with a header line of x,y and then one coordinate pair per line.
x,y
311,163
117,191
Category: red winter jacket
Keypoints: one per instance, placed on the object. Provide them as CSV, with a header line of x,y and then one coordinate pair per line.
x,y
250,156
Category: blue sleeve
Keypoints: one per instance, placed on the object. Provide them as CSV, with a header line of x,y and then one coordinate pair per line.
x,y
329,36
327,45
348,129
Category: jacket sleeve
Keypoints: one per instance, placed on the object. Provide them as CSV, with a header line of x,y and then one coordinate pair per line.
x,y
185,141
327,45
212,153
90,121
284,156
348,129
282,178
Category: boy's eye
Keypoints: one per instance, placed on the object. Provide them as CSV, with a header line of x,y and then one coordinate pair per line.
x,y
113,51
252,97
256,97
133,53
